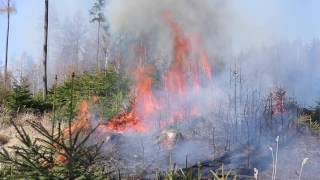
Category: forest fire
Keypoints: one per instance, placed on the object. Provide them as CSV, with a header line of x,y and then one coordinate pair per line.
x,y
125,121
189,66
189,59
188,71
278,97
82,121
159,89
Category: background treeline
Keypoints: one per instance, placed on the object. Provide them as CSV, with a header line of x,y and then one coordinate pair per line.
x,y
110,87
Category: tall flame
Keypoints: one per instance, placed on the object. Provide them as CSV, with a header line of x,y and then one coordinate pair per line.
x,y
124,122
147,103
82,121
175,79
190,65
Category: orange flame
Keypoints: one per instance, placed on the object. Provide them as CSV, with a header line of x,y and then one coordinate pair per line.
x,y
190,63
82,121
144,105
189,66
125,121
144,95
278,97
175,78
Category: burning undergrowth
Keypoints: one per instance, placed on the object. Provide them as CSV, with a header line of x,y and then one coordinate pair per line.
x,y
185,108
161,122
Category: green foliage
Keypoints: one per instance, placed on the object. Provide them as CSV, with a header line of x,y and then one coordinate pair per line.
x,y
55,154
21,100
38,158
187,174
20,97
174,173
111,105
39,105
109,86
223,176
96,12
311,117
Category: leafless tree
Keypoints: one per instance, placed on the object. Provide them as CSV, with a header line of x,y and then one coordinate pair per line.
x,y
8,9
73,48
45,50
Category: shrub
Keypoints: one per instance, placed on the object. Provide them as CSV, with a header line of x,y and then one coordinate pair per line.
x,y
108,85
3,94
21,100
54,155
50,156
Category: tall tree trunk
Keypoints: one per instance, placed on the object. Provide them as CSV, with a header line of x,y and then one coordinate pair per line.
x,y
98,44
45,50
7,47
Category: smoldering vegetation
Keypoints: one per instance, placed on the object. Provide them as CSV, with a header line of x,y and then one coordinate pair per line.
x,y
194,104
253,96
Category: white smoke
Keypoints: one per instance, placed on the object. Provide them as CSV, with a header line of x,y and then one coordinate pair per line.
x,y
226,28
144,18
217,23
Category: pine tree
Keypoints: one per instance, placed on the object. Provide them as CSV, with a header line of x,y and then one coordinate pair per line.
x,y
96,12
51,155
20,98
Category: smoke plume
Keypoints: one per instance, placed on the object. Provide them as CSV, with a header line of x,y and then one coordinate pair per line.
x,y
222,90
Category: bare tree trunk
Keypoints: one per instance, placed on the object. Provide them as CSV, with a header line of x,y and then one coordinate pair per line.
x,y
98,44
45,50
7,46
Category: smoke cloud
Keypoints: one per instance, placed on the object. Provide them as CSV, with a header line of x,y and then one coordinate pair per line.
x,y
242,76
143,18
230,34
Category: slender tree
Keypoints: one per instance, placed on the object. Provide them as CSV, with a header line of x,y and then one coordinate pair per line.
x,y
97,15
70,46
45,49
8,9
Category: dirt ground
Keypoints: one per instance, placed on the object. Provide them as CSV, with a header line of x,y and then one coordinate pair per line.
x,y
8,134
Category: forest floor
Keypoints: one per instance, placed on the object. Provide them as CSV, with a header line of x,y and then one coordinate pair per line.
x,y
9,136
293,148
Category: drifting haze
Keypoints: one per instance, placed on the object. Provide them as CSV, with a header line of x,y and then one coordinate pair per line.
x,y
231,33
237,26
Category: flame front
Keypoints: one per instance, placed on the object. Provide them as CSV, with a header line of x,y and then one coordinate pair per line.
x,y
125,121
189,68
82,121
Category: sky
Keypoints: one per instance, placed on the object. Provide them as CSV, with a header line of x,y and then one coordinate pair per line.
x,y
278,19
258,20
26,33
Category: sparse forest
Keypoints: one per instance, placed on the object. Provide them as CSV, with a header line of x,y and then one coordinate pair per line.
x,y
108,89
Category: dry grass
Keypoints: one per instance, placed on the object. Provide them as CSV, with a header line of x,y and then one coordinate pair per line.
x,y
8,134
307,119
4,139
4,117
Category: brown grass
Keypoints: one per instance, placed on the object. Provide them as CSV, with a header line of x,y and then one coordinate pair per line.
x,y
4,139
